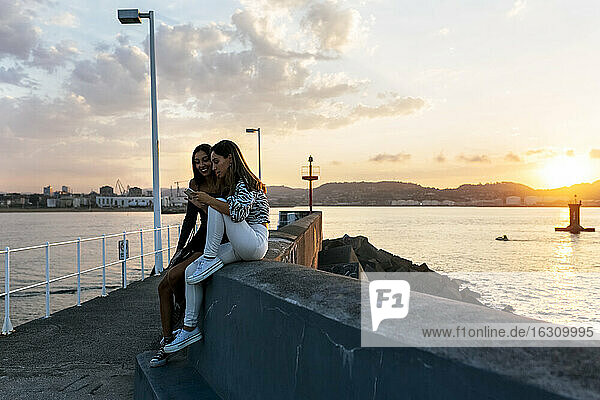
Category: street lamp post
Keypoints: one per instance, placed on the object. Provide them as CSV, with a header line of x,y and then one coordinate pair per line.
x,y
252,130
133,16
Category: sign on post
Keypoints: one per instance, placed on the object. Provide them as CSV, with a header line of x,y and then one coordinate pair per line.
x,y
123,249
124,255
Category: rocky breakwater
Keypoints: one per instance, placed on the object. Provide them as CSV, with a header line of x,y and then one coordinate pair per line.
x,y
372,259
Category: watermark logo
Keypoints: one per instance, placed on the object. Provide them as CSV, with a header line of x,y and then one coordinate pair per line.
x,y
389,300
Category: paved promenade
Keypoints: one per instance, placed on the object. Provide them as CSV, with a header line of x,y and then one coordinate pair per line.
x,y
82,352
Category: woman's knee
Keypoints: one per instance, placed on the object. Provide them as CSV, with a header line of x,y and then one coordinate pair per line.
x,y
250,253
213,210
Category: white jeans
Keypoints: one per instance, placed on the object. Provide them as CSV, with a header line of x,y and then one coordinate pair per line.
x,y
246,242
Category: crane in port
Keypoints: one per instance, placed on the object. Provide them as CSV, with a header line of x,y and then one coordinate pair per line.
x,y
119,187
177,183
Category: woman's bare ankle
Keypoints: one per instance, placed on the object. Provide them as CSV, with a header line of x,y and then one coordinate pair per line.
x,y
188,328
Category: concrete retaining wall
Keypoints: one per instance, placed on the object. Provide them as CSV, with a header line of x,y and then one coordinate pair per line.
x,y
298,242
275,330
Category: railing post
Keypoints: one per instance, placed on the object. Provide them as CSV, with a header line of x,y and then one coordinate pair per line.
x,y
7,326
103,265
47,280
124,265
169,241
157,268
78,272
142,251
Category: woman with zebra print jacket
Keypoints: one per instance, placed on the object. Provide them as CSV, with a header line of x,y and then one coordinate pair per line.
x,y
243,215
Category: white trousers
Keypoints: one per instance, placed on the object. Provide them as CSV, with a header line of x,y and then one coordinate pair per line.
x,y
246,242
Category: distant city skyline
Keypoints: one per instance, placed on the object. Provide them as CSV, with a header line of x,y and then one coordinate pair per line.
x,y
436,94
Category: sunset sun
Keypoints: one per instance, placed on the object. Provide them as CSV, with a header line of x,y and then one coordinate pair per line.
x,y
565,171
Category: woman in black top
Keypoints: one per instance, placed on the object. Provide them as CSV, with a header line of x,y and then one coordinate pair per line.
x,y
171,290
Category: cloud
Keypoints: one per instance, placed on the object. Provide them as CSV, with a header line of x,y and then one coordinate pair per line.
x,y
264,69
18,35
252,70
384,157
512,157
595,153
474,159
517,8
114,82
32,117
398,106
65,19
440,158
543,153
570,153
276,4
16,76
54,56
331,25
537,151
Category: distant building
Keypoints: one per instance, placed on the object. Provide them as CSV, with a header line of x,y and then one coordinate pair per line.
x,y
513,201
64,202
431,203
66,190
48,191
135,192
107,191
405,203
128,201
531,200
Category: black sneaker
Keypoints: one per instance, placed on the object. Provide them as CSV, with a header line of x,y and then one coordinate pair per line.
x,y
160,358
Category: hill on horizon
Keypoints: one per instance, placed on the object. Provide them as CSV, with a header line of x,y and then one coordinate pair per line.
x,y
361,191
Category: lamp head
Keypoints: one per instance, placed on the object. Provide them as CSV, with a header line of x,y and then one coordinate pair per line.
x,y
129,16
251,130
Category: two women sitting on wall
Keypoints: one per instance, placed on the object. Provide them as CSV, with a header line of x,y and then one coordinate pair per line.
x,y
242,213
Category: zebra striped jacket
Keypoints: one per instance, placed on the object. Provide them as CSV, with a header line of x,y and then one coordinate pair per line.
x,y
248,205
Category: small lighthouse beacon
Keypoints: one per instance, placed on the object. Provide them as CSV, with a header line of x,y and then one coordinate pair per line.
x,y
310,173
574,225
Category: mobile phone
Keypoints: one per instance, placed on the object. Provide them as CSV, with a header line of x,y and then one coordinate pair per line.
x,y
188,191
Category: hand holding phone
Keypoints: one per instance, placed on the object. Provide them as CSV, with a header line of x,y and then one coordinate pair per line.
x,y
189,192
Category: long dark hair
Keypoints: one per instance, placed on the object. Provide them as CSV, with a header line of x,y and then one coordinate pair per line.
x,y
238,170
199,179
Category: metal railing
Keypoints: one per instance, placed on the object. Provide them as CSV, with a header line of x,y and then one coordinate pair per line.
x,y
7,327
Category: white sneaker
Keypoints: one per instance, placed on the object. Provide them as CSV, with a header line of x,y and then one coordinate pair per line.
x,y
198,264
206,267
174,333
183,339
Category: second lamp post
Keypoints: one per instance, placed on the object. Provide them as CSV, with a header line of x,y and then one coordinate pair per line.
x,y
257,130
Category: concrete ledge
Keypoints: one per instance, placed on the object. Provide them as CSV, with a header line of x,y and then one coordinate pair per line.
x,y
276,330
298,242
178,380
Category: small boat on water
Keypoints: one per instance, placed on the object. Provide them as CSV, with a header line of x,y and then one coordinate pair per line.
x,y
502,238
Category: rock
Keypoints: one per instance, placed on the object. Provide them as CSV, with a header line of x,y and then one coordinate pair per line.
x,y
508,309
373,259
469,292
423,268
468,298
